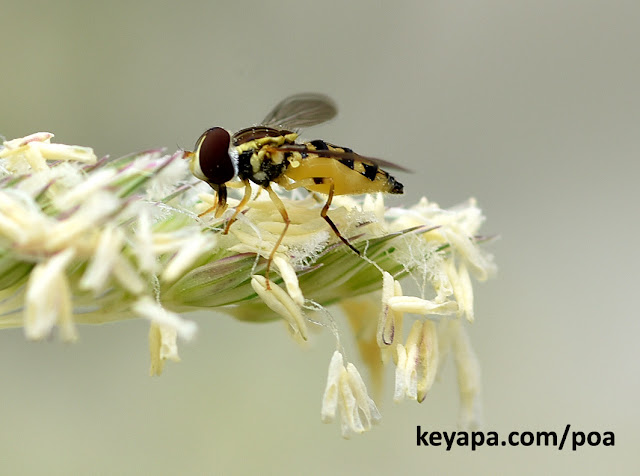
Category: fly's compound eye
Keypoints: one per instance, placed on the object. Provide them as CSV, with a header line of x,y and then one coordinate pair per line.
x,y
216,165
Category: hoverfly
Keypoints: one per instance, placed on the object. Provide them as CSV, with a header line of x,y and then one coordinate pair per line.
x,y
269,153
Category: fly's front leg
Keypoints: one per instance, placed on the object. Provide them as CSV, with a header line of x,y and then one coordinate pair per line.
x,y
241,205
221,201
207,211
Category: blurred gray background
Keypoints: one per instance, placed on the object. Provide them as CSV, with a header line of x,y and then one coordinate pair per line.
x,y
531,107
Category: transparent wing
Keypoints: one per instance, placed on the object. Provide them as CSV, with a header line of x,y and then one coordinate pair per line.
x,y
338,154
301,110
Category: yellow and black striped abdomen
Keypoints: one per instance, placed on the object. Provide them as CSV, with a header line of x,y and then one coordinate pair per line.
x,y
350,176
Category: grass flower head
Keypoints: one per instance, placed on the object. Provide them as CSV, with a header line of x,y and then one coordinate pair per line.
x,y
88,241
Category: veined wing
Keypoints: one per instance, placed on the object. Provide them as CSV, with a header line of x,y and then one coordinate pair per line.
x,y
301,110
340,154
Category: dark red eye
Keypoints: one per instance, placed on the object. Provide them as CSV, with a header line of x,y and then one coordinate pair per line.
x,y
213,156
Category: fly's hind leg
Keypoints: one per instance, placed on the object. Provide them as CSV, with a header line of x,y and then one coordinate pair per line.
x,y
285,217
324,215
315,181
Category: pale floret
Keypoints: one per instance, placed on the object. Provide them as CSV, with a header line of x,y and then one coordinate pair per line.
x,y
188,251
163,346
281,303
290,278
469,384
104,259
346,392
143,246
417,362
149,309
32,152
48,299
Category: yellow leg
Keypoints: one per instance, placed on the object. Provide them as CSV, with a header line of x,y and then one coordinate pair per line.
x,y
324,215
285,217
243,202
313,181
221,201
207,211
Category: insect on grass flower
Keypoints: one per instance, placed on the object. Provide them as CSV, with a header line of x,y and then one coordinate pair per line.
x,y
88,241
